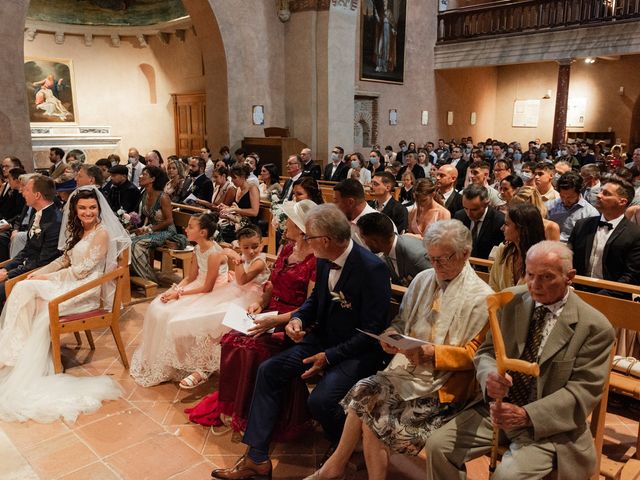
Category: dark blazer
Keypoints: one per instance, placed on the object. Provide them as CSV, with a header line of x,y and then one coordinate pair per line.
x,y
490,233
125,196
461,167
454,203
364,283
285,188
396,212
11,205
40,249
411,258
418,172
201,187
621,255
339,175
311,169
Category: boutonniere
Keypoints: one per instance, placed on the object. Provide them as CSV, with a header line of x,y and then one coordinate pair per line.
x,y
36,231
340,297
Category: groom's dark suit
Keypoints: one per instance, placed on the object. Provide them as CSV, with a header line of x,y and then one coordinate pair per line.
x,y
40,249
331,328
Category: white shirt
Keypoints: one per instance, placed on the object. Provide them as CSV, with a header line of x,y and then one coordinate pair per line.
x,y
551,318
355,232
334,274
446,195
597,249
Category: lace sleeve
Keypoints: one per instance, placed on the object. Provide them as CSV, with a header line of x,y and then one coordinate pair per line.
x,y
58,264
95,257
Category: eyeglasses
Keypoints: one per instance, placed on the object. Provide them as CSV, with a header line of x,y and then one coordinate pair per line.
x,y
441,260
306,238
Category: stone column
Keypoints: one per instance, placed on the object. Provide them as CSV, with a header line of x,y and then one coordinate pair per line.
x,y
562,99
15,132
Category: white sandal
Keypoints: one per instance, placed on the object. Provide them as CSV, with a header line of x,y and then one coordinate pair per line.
x,y
193,380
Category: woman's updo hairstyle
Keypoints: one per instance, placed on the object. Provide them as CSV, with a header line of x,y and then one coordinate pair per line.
x,y
209,222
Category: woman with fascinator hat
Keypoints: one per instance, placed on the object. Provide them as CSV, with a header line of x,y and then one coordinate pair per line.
x,y
29,389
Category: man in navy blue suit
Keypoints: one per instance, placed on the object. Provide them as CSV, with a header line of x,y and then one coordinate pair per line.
x,y
352,291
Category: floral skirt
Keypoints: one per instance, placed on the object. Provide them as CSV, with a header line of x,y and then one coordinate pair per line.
x,y
402,425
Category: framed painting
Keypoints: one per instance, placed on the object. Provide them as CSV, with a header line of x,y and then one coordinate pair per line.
x,y
50,90
382,38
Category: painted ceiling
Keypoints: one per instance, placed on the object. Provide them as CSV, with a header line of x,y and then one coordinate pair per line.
x,y
106,12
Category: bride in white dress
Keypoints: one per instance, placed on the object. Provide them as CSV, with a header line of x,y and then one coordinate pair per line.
x,y
29,389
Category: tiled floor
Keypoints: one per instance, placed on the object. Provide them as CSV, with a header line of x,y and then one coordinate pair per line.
x,y
146,435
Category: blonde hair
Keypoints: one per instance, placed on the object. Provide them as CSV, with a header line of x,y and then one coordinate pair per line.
x,y
530,195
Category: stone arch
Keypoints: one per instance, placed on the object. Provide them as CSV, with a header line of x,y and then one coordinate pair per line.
x,y
365,128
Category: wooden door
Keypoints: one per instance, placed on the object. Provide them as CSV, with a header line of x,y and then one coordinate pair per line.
x,y
190,123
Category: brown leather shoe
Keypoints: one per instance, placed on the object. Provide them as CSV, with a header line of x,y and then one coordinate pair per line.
x,y
245,469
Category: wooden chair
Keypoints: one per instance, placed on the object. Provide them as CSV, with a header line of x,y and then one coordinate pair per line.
x,y
86,321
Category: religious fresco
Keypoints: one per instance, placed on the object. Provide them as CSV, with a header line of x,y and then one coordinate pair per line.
x,y
50,90
382,43
106,12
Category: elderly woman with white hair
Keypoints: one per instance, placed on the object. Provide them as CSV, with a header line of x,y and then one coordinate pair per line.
x,y
397,409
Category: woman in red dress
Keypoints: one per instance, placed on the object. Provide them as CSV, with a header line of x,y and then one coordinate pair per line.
x,y
292,279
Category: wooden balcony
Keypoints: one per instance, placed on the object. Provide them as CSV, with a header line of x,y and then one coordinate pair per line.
x,y
531,16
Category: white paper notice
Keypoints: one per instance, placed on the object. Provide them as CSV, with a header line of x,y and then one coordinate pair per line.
x,y
191,198
401,342
238,318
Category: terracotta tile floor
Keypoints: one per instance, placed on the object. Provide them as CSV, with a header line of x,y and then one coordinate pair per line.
x,y
145,434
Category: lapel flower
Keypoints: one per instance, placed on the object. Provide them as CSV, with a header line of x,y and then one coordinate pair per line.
x,y
342,299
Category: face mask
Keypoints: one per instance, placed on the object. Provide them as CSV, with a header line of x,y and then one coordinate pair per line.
x,y
543,155
556,177
226,156
526,176
488,152
133,160
355,164
468,151
334,157
563,153
510,150
517,156
374,160
404,148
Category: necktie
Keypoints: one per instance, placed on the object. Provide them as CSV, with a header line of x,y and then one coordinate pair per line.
x,y
334,266
520,392
475,230
389,263
607,225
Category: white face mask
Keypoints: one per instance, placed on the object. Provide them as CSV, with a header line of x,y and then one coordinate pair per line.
x,y
133,160
226,156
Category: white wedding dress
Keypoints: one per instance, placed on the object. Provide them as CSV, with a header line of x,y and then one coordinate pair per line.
x,y
29,389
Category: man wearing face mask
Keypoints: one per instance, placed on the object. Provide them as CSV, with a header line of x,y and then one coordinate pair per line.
x,y
526,174
400,156
336,170
225,155
566,153
134,166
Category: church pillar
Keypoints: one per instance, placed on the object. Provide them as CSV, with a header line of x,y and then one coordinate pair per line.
x,y
15,132
562,100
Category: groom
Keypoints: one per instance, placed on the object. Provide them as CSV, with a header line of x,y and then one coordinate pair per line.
x,y
352,291
42,233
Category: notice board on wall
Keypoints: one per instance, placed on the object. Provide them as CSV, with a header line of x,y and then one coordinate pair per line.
x,y
526,113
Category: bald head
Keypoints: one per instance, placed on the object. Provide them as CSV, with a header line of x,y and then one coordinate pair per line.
x,y
152,159
446,177
305,154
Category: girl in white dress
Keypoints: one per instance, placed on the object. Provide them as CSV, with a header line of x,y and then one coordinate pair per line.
x,y
29,389
180,334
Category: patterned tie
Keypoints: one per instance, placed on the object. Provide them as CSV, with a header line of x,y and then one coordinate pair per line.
x,y
520,392
475,230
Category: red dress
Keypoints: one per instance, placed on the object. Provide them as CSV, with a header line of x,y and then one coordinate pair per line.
x,y
242,355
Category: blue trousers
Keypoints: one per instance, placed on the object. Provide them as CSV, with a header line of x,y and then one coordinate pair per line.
x,y
273,379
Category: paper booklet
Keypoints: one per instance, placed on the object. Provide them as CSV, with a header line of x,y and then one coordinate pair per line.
x,y
238,318
401,342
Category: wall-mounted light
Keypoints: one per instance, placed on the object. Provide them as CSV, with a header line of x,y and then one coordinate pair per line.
x,y
547,95
589,60
621,91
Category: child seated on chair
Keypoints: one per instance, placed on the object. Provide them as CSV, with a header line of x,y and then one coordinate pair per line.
x,y
183,326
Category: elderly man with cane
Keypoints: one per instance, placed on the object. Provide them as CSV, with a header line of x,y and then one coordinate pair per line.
x,y
544,419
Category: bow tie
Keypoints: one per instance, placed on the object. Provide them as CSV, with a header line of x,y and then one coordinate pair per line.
x,y
334,266
609,226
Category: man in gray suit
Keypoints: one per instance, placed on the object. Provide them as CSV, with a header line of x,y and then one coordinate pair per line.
x,y
543,420
404,255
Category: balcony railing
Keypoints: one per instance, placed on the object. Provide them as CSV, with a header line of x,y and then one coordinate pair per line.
x,y
530,16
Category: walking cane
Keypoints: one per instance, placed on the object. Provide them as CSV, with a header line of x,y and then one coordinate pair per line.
x,y
494,302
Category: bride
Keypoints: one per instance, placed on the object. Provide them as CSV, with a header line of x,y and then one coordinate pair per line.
x,y
29,389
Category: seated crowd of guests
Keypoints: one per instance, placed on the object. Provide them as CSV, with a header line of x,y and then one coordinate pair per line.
x,y
329,290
